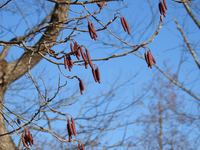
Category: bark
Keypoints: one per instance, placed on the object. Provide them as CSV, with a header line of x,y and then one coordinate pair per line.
x,y
13,71
6,142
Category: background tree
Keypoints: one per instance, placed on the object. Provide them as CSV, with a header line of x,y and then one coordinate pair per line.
x,y
47,34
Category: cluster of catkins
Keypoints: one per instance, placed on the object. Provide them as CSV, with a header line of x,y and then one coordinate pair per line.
x,y
72,131
27,138
162,7
78,51
125,24
92,31
149,58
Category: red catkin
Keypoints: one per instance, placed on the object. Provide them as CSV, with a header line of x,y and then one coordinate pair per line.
x,y
149,58
65,62
88,56
82,147
83,55
160,9
73,126
165,4
123,25
69,126
126,24
97,74
23,140
70,61
146,58
163,8
81,86
86,65
90,31
70,138
94,75
72,49
95,37
93,29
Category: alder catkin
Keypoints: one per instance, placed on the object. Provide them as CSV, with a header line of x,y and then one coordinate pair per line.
x,y
65,62
23,140
73,126
70,127
83,55
163,8
146,58
160,9
90,31
126,24
32,139
95,37
150,58
72,49
76,48
93,29
88,56
97,74
70,61
81,86
123,25
94,75
153,60
70,137
165,4
82,147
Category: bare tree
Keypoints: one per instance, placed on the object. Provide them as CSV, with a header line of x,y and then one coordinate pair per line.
x,y
97,116
165,122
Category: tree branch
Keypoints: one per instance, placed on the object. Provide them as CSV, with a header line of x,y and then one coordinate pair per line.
x,y
19,67
188,44
191,14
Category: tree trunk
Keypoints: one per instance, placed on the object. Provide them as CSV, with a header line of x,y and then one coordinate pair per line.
x,y
10,72
6,142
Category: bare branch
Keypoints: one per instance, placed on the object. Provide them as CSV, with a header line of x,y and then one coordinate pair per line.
x,y
191,14
188,44
81,3
2,5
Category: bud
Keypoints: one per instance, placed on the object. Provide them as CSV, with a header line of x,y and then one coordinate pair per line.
x,y
18,121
